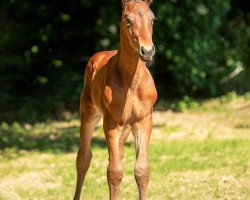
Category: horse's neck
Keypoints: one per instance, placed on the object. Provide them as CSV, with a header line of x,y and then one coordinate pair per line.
x,y
129,65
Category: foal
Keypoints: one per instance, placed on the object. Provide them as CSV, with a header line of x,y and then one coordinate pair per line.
x,y
119,87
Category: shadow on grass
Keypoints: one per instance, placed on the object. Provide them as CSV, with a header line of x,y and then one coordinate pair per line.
x,y
55,140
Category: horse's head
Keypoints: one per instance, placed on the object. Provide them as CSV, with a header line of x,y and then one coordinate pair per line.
x,y
137,24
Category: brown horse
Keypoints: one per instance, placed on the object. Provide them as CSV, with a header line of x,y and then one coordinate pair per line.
x,y
119,87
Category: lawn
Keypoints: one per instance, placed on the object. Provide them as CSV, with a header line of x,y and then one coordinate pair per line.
x,y
202,153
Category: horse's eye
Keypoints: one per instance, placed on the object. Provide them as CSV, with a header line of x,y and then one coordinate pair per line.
x,y
128,22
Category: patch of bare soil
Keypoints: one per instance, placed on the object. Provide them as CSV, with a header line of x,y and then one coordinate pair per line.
x,y
27,182
204,185
201,125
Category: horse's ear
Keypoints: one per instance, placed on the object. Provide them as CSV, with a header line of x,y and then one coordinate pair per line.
x,y
148,1
127,1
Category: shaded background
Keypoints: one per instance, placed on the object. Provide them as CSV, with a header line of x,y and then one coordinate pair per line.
x,y
202,51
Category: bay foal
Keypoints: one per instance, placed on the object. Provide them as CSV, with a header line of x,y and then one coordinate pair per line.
x,y
119,87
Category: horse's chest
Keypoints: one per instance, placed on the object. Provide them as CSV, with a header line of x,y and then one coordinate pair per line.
x,y
125,107
139,108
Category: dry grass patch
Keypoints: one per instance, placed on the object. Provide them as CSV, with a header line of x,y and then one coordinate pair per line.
x,y
207,185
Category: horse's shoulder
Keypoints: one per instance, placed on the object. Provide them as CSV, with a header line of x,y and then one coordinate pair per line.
x,y
101,58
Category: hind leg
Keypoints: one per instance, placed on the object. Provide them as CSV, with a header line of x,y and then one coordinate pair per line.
x,y
122,140
90,116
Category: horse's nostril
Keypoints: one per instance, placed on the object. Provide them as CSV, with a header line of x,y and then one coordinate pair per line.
x,y
143,52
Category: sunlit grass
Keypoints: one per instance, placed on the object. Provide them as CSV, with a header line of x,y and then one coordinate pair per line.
x,y
178,169
202,154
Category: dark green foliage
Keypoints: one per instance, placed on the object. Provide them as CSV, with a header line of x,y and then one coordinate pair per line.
x,y
45,45
198,45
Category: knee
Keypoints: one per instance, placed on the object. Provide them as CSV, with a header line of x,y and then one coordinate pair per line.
x,y
142,172
115,174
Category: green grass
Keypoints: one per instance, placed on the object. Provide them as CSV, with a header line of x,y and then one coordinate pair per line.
x,y
38,161
179,170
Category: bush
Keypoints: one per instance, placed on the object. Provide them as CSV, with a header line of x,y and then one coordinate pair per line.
x,y
185,104
199,45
